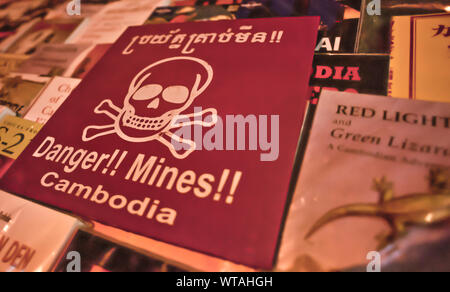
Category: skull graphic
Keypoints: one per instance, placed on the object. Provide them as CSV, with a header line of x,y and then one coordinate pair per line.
x,y
156,99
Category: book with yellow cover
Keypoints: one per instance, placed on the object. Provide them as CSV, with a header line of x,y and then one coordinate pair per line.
x,y
420,58
10,62
18,91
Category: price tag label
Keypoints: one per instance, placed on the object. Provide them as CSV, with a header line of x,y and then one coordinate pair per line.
x,y
15,135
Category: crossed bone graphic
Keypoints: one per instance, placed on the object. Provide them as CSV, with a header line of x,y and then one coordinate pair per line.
x,y
152,110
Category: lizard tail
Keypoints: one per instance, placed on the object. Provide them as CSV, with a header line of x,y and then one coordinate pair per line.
x,y
358,210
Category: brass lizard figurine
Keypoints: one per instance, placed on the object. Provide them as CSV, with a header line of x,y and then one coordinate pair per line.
x,y
422,209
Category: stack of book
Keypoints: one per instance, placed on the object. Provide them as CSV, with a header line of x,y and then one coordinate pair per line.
x,y
149,135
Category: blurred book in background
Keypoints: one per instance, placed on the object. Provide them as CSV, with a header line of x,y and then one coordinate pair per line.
x,y
350,73
32,236
10,62
51,98
99,254
420,58
181,14
374,30
51,31
52,59
18,91
107,25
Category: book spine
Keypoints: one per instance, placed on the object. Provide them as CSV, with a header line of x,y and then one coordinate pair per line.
x,y
391,50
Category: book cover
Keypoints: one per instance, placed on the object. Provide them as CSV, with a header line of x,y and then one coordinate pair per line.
x,y
187,259
9,63
409,7
50,31
355,73
420,60
255,9
51,98
174,14
18,91
4,111
203,2
109,23
17,9
336,34
330,11
374,183
87,10
15,135
141,105
52,59
373,34
5,162
10,35
14,14
183,3
281,8
100,254
374,30
339,38
87,62
32,236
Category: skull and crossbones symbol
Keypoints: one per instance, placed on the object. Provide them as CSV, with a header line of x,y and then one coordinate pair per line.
x,y
153,106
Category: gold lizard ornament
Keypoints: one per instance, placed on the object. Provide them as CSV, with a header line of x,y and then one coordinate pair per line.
x,y
421,209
